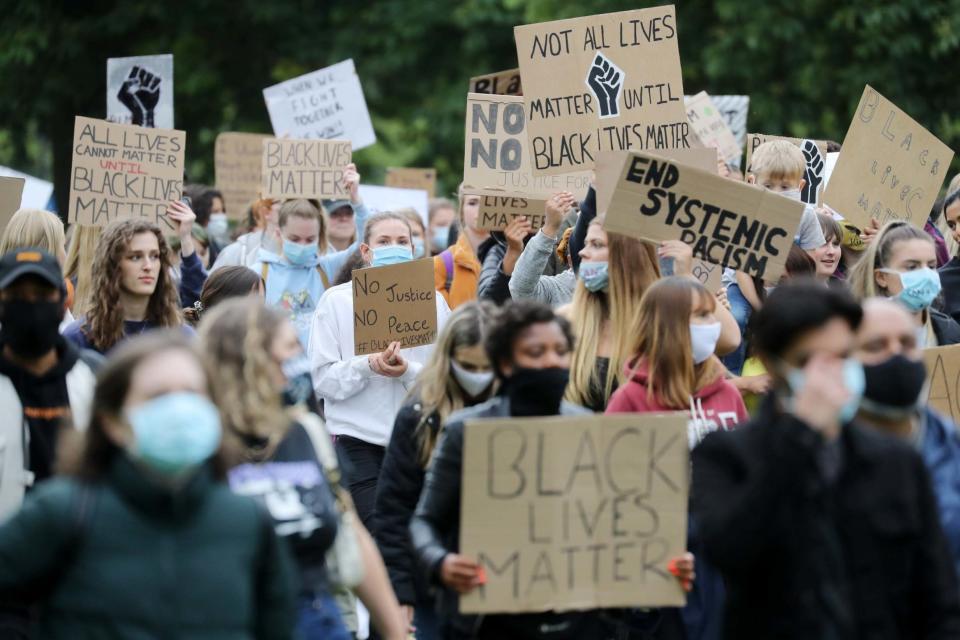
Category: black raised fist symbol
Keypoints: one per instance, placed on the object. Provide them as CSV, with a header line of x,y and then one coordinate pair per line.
x,y
813,173
606,82
140,93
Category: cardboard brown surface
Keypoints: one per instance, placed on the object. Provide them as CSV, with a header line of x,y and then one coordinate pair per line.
x,y
608,82
610,166
504,83
709,275
411,178
726,222
538,492
11,191
943,380
498,209
890,167
711,129
238,162
304,168
124,171
394,303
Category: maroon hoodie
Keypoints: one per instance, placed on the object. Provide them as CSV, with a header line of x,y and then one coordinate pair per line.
x,y
716,406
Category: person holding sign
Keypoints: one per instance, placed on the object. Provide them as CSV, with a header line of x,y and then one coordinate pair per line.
x,y
362,394
901,263
822,528
894,402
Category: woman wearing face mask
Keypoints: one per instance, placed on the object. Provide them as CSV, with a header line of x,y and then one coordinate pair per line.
x,y
457,375
142,537
134,289
528,346
417,230
441,217
901,263
456,270
261,381
362,394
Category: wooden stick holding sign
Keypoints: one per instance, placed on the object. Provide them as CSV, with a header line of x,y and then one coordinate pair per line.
x,y
498,209
396,303
596,508
11,192
943,380
305,168
728,223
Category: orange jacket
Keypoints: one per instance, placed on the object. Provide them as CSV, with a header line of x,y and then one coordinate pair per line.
x,y
466,273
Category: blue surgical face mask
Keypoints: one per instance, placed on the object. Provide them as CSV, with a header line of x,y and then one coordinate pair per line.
x,y
594,275
391,254
920,287
441,238
418,248
219,227
853,379
793,194
300,254
175,432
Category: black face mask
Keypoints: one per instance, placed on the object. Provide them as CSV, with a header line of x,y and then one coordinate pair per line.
x,y
893,387
536,392
30,329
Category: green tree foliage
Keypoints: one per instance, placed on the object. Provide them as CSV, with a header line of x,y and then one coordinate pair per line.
x,y
803,64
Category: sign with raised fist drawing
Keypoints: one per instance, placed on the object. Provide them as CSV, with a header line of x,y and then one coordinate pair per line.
x,y
140,91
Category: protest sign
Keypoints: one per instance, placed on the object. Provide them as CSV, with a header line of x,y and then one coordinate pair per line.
x,y
396,303
711,129
304,168
890,167
140,90
729,223
734,110
238,162
496,153
610,165
124,171
943,380
408,178
607,82
323,105
709,275
814,153
504,83
37,193
596,506
11,190
498,209
377,199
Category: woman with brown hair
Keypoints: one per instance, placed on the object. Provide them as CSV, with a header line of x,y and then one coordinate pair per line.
x,y
229,282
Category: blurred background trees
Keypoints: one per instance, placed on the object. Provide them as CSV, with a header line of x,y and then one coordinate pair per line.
x,y
804,65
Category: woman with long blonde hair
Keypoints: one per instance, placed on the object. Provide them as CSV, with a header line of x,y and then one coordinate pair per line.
x,y
78,268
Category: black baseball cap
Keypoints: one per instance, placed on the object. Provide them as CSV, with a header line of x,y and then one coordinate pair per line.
x,y
30,261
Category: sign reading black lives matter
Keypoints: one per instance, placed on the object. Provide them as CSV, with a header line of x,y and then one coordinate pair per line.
x,y
607,82
124,171
577,512
729,223
140,90
304,168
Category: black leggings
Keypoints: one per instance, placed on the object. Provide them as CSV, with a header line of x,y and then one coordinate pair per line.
x,y
361,474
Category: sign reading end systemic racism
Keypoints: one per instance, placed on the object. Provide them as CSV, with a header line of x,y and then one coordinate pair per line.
x,y
943,380
124,171
728,223
11,192
396,303
607,82
238,161
304,168
890,167
596,506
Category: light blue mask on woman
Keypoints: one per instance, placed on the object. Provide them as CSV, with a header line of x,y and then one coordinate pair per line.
x,y
594,275
175,432
391,254
920,287
300,254
419,250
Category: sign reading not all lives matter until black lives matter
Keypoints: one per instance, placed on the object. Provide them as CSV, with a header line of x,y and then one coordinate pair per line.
x,y
596,506
607,82
124,171
304,168
395,303
729,223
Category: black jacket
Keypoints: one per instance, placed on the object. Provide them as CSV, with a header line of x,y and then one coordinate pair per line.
x,y
401,479
798,552
945,328
950,285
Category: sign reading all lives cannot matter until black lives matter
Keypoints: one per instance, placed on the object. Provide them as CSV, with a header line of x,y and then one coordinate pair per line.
x,y
596,508
609,82
395,303
124,171
729,223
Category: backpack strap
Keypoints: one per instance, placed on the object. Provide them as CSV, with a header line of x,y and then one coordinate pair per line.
x,y
264,268
323,277
447,257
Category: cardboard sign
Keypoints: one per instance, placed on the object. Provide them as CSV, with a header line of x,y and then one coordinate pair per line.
x,y
574,512
890,167
709,275
238,162
607,82
729,223
11,190
304,168
407,178
396,303
378,199
814,153
734,110
326,104
124,171
498,209
496,154
711,129
37,193
503,83
140,90
610,166
943,380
